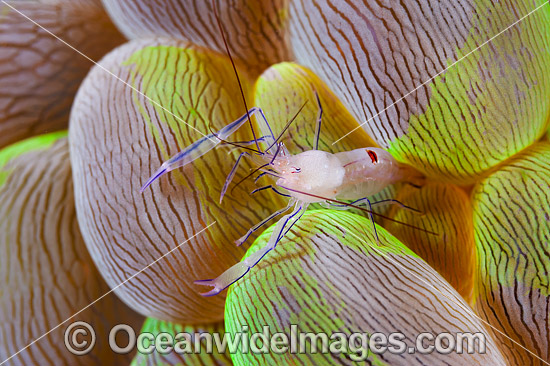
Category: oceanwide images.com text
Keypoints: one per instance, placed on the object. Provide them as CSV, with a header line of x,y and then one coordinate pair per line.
x,y
80,339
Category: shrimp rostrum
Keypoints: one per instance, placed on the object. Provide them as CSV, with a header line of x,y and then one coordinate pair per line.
x,y
313,176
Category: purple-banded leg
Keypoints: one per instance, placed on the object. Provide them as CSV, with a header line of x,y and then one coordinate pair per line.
x,y
270,172
198,148
240,269
270,140
272,188
318,126
237,144
373,223
359,202
259,176
247,142
277,151
231,175
363,201
242,239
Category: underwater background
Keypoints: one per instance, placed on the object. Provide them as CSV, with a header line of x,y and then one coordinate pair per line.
x,y
96,95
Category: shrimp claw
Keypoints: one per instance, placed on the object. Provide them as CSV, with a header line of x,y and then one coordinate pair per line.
x,y
157,174
223,281
199,148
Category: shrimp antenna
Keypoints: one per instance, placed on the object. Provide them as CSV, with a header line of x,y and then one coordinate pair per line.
x,y
287,125
234,70
363,209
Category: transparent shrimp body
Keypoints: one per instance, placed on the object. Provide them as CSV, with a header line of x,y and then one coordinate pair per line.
x,y
315,172
346,175
309,177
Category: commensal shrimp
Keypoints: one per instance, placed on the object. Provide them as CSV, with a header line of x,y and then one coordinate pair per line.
x,y
312,176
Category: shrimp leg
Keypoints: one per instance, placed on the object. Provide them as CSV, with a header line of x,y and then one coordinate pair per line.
x,y
272,188
240,269
231,175
199,148
240,241
246,143
318,127
270,138
362,201
372,219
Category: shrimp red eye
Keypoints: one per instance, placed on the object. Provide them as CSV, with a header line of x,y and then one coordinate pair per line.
x,y
296,170
373,156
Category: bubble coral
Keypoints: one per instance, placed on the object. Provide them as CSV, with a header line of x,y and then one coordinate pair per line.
x,y
459,90
346,285
46,271
39,75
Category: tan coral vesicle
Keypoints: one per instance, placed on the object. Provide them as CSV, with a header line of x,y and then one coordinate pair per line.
x,y
39,75
512,233
450,87
256,31
446,211
46,271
